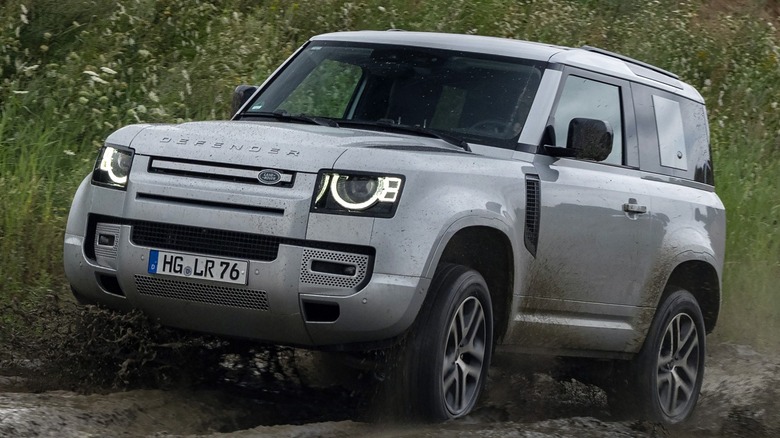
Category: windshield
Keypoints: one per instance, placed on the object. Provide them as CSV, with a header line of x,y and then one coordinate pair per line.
x,y
474,97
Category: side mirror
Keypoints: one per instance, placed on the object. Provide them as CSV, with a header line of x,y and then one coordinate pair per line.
x,y
590,138
241,94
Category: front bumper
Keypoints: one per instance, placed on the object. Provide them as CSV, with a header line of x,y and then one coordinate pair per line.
x,y
284,301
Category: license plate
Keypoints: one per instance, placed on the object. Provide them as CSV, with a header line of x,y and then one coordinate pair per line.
x,y
198,266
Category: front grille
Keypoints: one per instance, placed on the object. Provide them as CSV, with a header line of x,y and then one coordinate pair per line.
x,y
202,293
212,171
205,241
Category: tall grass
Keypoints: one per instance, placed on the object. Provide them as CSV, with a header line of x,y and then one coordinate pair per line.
x,y
71,72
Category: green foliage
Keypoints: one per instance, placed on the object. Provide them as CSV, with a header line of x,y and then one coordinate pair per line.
x,y
71,72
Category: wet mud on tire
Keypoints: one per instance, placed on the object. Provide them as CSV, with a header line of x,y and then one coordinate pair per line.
x,y
738,398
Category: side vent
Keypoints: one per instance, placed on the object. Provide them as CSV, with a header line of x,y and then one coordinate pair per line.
x,y
533,203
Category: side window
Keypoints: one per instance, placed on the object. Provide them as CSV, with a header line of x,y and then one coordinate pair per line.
x,y
593,100
671,136
342,79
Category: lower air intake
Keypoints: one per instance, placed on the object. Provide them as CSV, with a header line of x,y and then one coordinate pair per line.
x,y
202,293
316,268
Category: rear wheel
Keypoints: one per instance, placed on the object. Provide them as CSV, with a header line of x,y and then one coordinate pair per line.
x,y
666,376
449,349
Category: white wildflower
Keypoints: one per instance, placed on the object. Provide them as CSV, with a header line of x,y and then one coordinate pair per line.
x,y
24,19
24,9
145,53
69,152
186,75
91,73
99,80
141,109
108,70
382,9
21,91
773,105
707,82
83,100
153,96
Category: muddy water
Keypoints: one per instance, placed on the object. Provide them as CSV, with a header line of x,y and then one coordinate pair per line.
x,y
740,397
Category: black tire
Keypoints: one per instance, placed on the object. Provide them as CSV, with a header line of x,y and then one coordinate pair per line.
x,y
665,378
447,368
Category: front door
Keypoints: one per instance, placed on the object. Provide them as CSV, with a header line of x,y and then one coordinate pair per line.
x,y
583,287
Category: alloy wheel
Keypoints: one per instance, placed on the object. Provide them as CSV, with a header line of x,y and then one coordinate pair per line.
x,y
678,365
464,355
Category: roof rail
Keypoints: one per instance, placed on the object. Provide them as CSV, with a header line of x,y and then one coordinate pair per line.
x,y
631,60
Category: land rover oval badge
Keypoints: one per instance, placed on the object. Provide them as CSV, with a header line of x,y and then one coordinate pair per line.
x,y
269,176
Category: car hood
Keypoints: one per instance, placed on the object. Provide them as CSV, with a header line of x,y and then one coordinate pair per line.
x,y
292,146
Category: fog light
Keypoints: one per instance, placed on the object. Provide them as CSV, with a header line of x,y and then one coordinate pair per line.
x,y
106,240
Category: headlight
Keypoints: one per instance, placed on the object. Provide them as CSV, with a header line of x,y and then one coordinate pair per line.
x,y
112,167
357,193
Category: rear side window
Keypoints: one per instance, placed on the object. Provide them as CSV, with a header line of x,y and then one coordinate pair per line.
x,y
673,135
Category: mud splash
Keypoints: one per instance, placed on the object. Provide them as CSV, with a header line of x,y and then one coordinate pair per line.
x,y
738,398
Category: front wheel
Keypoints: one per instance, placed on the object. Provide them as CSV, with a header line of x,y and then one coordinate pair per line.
x,y
449,349
668,372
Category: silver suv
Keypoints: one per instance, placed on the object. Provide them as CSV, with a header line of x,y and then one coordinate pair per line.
x,y
443,195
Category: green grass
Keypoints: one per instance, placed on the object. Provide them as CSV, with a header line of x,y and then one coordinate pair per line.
x,y
71,72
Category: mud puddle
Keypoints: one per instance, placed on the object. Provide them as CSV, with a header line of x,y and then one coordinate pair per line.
x,y
739,398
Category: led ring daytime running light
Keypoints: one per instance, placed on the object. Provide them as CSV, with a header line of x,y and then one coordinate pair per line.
x,y
106,165
386,191
324,188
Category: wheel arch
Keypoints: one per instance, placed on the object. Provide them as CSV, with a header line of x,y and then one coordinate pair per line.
x,y
489,251
701,279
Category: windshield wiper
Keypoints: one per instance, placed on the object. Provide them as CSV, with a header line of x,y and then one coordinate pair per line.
x,y
285,116
451,139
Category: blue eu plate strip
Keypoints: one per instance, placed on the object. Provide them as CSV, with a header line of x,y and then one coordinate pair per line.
x,y
153,261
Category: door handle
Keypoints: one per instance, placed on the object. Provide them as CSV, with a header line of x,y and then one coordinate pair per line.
x,y
634,208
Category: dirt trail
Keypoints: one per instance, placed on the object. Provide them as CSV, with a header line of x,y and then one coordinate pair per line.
x,y
739,398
